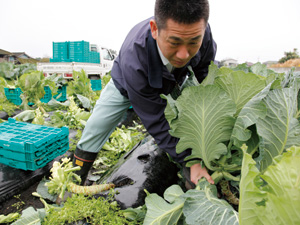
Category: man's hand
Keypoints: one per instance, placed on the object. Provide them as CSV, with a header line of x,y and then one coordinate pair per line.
x,y
197,172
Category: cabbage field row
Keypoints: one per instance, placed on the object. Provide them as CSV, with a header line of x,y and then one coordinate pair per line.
x,y
242,123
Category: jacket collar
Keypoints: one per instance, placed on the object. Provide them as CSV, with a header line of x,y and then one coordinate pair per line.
x,y
155,65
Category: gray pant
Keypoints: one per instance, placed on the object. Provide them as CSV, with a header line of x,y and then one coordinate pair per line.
x,y
107,113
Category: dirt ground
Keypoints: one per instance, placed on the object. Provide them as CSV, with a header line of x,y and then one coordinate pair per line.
x,y
21,201
24,198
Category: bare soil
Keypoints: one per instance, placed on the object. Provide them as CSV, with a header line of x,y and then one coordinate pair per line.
x,y
21,201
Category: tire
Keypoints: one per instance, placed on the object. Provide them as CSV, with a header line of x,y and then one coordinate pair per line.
x,y
94,77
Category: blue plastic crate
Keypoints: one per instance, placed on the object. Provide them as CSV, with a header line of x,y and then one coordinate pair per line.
x,y
94,57
30,138
29,146
63,91
96,85
47,97
60,51
32,156
13,95
35,164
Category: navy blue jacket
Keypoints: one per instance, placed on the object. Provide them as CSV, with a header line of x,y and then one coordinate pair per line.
x,y
139,74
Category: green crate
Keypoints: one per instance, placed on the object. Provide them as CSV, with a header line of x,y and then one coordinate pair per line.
x,y
26,137
32,156
61,95
13,95
60,50
48,95
29,146
35,164
96,85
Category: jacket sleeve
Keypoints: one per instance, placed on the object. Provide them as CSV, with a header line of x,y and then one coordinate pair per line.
x,y
149,106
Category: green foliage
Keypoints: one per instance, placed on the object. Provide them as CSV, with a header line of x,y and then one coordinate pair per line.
x,y
32,85
81,85
9,218
124,138
121,141
25,116
10,71
61,176
31,216
19,204
135,215
105,79
74,118
289,55
236,107
5,105
271,197
230,102
73,141
168,211
199,206
91,210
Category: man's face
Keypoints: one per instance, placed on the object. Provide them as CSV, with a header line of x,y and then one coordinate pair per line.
x,y
179,42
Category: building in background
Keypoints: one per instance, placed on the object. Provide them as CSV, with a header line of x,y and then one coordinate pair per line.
x,y
16,57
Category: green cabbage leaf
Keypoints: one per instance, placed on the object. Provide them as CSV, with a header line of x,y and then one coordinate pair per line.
x,y
272,197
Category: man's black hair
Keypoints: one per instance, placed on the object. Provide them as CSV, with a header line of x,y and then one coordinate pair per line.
x,y
181,11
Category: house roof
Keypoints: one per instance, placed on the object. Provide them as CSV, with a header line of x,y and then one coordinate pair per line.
x,y
19,59
3,52
30,60
19,53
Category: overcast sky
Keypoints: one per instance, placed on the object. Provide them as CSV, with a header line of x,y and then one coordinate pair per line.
x,y
245,30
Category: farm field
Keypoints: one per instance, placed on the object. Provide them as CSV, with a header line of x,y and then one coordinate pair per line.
x,y
245,130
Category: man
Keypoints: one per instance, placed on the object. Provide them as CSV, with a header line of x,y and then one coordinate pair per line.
x,y
153,59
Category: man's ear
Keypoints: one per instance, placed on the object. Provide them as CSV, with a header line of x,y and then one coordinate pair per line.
x,y
154,29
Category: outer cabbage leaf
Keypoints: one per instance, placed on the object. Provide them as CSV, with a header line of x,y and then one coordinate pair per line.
x,y
241,86
160,212
204,122
86,103
279,129
261,69
197,206
31,216
213,72
171,110
275,201
202,207
248,116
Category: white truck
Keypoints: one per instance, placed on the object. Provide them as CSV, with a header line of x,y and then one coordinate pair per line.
x,y
94,71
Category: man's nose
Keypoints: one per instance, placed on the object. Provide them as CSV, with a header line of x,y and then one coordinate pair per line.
x,y
182,52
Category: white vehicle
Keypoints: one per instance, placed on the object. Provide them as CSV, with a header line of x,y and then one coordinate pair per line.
x,y
94,71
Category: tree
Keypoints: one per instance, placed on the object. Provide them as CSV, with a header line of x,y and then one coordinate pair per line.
x,y
289,55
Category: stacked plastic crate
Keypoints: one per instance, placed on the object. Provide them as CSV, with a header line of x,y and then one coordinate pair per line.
x,y
79,51
75,51
94,57
60,52
28,146
96,85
